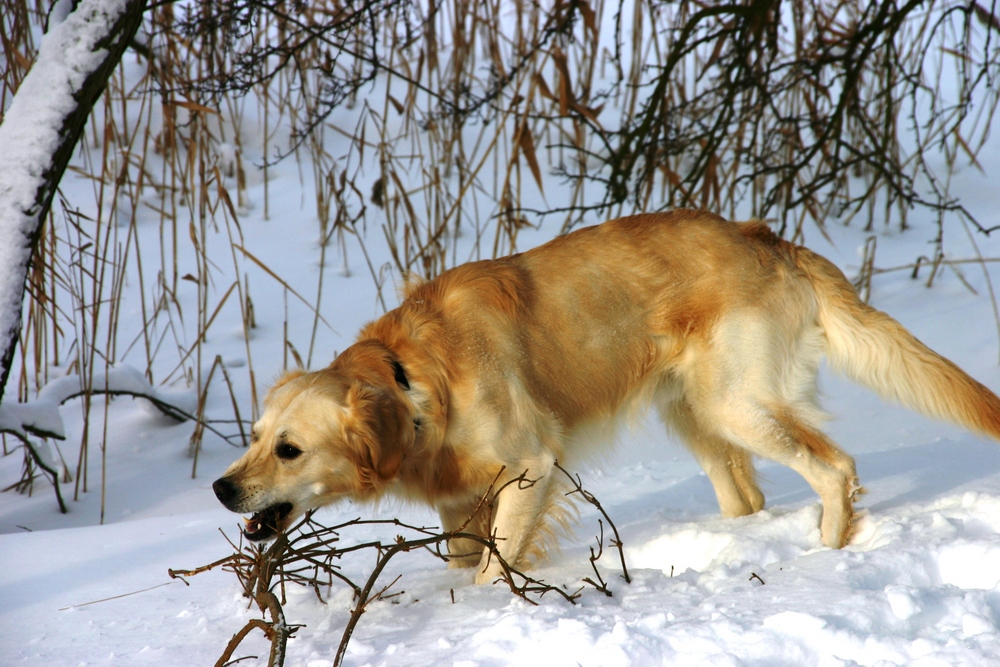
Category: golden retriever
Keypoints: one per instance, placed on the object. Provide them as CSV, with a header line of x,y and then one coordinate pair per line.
x,y
512,364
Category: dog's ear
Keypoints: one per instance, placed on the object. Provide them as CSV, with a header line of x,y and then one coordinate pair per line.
x,y
379,432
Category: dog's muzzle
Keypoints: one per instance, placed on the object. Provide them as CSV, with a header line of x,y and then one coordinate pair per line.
x,y
264,524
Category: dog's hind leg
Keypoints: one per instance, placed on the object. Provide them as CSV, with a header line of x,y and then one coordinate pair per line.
x,y
729,468
753,383
741,465
830,471
778,433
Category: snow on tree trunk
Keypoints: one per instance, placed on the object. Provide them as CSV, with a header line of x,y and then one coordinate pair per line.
x,y
40,131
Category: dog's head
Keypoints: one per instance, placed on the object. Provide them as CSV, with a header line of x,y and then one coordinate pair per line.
x,y
336,433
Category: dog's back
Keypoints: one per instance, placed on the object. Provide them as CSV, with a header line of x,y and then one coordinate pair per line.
x,y
593,318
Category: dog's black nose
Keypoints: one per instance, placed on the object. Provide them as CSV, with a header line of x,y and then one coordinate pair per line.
x,y
224,489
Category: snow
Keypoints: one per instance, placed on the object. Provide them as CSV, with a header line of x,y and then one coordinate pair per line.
x,y
30,133
919,585
42,414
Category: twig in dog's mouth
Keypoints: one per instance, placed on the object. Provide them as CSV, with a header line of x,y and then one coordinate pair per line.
x,y
266,523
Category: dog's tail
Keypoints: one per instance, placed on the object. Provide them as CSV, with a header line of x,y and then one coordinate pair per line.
x,y
875,350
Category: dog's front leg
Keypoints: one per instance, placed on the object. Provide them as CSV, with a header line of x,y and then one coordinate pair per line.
x,y
518,510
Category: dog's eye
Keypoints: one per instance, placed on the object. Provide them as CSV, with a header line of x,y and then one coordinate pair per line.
x,y
288,452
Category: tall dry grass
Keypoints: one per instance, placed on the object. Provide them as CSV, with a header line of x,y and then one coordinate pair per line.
x,y
440,131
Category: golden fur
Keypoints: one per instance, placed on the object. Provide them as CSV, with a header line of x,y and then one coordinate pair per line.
x,y
515,363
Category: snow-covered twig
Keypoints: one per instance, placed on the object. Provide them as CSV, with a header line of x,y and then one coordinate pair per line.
x,y
41,462
41,417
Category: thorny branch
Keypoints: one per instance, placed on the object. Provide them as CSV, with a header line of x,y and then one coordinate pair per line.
x,y
309,554
616,542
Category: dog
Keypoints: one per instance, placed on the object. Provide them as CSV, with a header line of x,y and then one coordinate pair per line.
x,y
503,367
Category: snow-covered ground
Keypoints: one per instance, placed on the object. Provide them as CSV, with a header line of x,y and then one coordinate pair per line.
x,y
920,584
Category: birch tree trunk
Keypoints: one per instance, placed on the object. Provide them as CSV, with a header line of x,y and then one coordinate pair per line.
x,y
39,132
